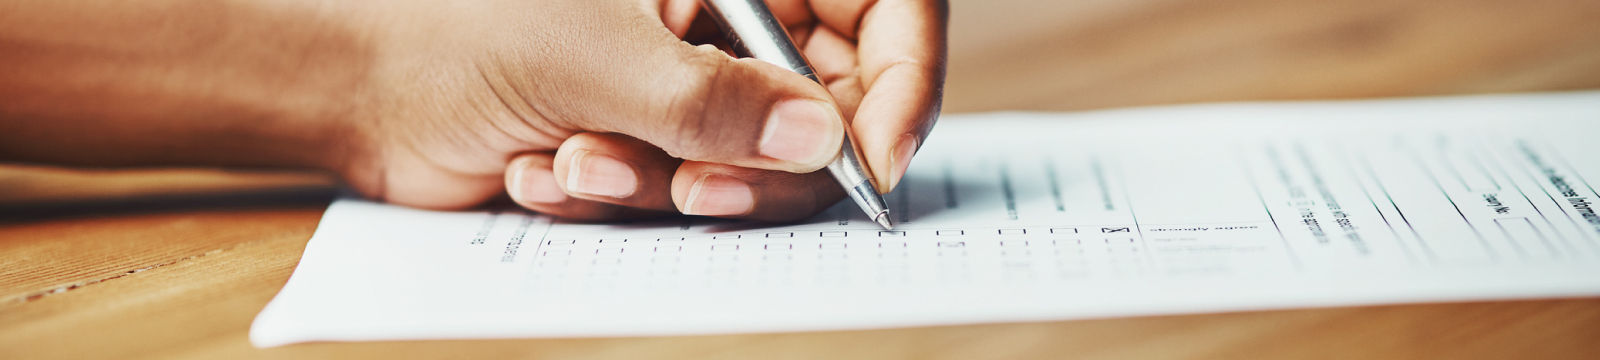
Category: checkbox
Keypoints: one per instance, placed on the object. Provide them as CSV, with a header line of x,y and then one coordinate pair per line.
x,y
667,249
557,252
780,235
891,233
670,239
778,247
1063,230
892,245
1069,253
831,256
724,237
608,251
1013,243
561,242
613,241
833,234
724,247
831,246
1013,231
950,232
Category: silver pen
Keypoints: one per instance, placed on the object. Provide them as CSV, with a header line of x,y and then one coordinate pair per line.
x,y
754,32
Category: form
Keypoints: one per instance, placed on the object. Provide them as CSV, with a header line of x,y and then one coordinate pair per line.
x,y
1011,217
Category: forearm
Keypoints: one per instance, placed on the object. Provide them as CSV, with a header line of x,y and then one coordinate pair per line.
x,y
196,82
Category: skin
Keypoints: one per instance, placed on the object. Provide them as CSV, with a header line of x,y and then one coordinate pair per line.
x,y
449,104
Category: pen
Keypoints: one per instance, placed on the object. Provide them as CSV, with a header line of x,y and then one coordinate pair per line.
x,y
753,31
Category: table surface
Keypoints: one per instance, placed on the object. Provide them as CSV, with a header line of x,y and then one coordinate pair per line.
x,y
174,263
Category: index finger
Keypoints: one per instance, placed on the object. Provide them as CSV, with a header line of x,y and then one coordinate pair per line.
x,y
901,51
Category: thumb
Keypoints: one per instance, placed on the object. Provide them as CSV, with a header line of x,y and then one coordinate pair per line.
x,y
697,103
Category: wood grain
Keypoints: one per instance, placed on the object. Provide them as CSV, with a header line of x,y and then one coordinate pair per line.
x,y
174,263
34,184
1072,55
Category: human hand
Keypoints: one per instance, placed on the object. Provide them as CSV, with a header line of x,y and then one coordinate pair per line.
x,y
598,109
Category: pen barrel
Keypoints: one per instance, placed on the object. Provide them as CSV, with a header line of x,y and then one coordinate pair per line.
x,y
753,32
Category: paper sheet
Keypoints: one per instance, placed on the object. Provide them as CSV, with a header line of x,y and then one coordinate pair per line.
x,y
1022,217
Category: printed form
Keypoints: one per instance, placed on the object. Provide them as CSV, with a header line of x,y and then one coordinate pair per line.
x,y
1013,217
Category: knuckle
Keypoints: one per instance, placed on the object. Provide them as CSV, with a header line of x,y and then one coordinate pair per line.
x,y
687,123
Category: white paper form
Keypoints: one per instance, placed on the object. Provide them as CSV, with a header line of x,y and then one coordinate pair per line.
x,y
1022,217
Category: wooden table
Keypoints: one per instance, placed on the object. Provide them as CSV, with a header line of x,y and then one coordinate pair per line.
x,y
174,263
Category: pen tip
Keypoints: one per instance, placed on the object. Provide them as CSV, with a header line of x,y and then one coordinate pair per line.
x,y
883,219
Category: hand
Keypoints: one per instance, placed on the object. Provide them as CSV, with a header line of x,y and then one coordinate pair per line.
x,y
591,109
597,109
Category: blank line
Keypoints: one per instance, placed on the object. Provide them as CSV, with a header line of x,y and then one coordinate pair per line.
x,y
1055,186
1249,173
1571,249
1493,256
1005,189
1432,258
1100,179
949,187
1356,175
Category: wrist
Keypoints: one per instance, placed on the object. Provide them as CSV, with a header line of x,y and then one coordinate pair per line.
x,y
272,86
319,85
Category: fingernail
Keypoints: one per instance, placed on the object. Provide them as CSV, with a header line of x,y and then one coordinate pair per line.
x,y
901,159
719,195
601,175
531,184
802,132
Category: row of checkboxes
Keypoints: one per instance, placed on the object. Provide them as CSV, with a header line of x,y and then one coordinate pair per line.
x,y
885,233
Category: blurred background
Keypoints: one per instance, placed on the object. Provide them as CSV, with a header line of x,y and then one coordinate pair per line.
x,y
1055,55
1089,54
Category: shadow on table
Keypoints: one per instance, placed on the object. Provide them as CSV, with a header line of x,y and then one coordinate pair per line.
x,y
272,198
